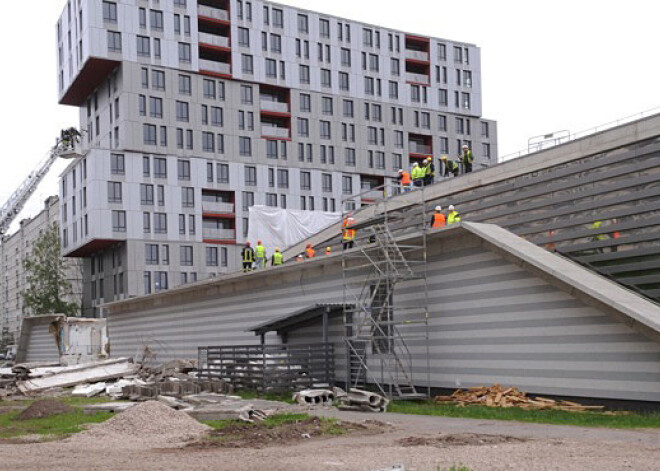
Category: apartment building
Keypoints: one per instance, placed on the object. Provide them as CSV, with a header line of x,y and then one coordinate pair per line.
x,y
13,251
194,110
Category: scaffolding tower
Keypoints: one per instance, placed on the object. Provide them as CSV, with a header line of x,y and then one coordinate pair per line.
x,y
381,330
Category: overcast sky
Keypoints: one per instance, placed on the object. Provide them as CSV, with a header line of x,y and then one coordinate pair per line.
x,y
547,66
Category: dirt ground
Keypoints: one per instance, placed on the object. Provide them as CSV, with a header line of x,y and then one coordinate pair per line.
x,y
44,408
419,443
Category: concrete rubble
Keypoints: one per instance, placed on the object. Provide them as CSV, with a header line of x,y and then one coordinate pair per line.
x,y
356,399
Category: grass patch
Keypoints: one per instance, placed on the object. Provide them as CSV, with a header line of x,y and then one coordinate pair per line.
x,y
57,425
557,417
282,397
329,426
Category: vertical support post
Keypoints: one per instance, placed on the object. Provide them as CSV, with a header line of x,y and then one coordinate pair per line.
x,y
326,366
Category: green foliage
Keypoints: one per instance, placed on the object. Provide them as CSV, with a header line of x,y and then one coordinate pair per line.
x,y
57,425
250,394
47,285
584,419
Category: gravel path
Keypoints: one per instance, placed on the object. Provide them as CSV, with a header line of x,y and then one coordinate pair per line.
x,y
545,448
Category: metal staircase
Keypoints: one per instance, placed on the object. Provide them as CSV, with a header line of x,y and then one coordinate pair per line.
x,y
380,329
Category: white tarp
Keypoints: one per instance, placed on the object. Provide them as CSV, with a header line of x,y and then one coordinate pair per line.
x,y
285,227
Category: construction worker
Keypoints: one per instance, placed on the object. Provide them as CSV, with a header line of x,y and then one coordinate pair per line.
x,y
451,167
260,255
466,158
405,180
595,226
277,259
348,235
453,215
328,251
300,258
615,235
438,219
417,175
551,246
429,171
309,251
248,257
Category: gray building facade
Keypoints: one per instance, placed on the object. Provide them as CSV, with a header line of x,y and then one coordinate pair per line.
x,y
193,111
13,251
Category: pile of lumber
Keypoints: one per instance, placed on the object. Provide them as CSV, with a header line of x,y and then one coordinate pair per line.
x,y
498,396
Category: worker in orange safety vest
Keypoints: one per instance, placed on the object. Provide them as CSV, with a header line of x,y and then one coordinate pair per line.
x,y
348,235
438,219
309,251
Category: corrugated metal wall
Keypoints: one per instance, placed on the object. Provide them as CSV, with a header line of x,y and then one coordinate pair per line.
x,y
41,345
491,322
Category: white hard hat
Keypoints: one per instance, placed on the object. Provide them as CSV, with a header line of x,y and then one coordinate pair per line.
x,y
451,207
415,164
400,170
438,208
465,146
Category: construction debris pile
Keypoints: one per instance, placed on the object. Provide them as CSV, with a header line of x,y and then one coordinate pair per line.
x,y
498,396
356,399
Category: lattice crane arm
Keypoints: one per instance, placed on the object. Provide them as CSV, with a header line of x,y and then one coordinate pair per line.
x,y
66,147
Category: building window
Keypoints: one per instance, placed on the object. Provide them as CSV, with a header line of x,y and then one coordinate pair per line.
x,y
188,197
209,89
160,281
119,221
151,254
282,178
155,107
304,74
247,64
305,103
109,12
223,173
183,169
324,28
184,53
305,181
326,80
248,200
146,194
160,223
114,41
278,18
147,282
160,167
271,68
114,192
325,130
211,256
485,149
117,164
442,122
185,87
485,131
246,94
186,255
349,156
146,223
143,46
244,37
156,20
303,127
245,146
271,200
182,111
250,176
303,24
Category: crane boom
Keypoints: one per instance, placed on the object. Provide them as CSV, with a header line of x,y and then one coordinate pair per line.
x,y
66,147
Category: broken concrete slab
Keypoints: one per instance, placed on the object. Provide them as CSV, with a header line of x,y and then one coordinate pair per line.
x,y
88,390
78,374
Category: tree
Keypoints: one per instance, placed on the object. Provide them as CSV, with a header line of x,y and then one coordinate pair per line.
x,y
45,273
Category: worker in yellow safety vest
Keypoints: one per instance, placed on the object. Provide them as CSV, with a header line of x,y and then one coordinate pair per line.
x,y
429,171
595,226
348,235
438,219
417,175
278,258
260,255
453,215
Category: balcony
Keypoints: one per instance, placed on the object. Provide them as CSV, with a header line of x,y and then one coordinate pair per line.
x,y
275,106
417,55
218,234
214,40
217,207
217,67
274,131
416,148
417,78
214,13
